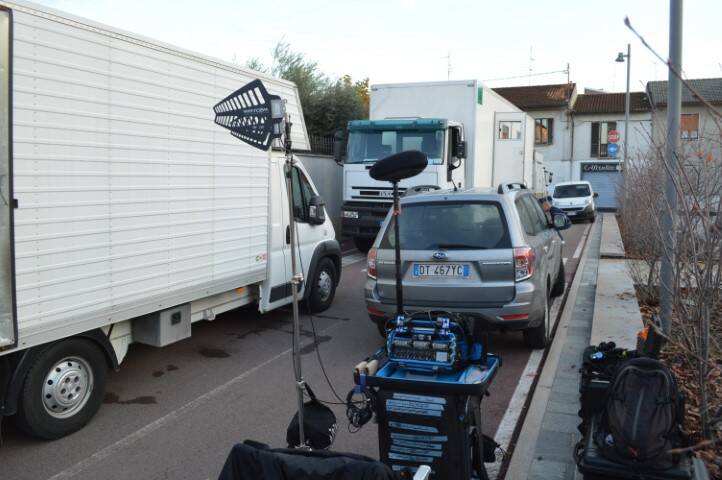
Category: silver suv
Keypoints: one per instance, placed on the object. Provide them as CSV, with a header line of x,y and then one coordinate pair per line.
x,y
491,253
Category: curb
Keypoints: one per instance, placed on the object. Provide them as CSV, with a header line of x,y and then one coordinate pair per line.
x,y
523,451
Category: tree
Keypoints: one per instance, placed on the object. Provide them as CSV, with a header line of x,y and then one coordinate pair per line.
x,y
327,104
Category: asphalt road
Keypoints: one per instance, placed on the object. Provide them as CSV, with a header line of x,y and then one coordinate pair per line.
x,y
175,412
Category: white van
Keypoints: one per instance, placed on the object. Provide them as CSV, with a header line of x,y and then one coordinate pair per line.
x,y
576,199
126,213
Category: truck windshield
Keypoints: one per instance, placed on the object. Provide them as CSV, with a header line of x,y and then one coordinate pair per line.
x,y
369,146
571,191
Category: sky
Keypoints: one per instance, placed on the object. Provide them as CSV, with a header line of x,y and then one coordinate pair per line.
x,y
417,40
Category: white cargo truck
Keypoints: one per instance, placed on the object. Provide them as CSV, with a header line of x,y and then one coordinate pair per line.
x,y
126,214
472,137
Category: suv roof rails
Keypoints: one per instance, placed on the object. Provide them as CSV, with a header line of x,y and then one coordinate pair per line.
x,y
508,187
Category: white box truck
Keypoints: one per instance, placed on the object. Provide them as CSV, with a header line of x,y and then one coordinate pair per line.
x,y
125,212
472,137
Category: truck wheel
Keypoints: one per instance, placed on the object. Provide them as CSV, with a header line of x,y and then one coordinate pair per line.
x,y
323,287
363,244
558,288
539,336
62,390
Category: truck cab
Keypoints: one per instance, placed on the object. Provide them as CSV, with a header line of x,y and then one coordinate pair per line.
x,y
365,200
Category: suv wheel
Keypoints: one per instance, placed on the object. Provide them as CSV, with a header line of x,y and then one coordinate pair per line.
x,y
539,336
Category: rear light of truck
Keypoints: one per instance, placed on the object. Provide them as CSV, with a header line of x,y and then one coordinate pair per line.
x,y
371,263
523,263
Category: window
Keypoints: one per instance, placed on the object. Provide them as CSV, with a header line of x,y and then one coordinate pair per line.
x,y
600,133
689,126
543,131
509,130
462,225
528,217
572,191
367,146
542,222
302,194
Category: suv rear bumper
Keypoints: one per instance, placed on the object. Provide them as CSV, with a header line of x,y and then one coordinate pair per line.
x,y
527,302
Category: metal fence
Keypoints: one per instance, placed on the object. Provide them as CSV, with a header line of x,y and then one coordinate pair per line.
x,y
321,144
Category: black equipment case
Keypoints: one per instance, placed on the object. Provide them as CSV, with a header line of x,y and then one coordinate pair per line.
x,y
595,466
432,419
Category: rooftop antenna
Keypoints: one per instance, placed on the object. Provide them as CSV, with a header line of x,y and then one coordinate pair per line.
x,y
448,64
567,72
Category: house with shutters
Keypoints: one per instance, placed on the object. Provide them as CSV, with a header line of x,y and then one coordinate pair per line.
x,y
582,135
698,127
598,146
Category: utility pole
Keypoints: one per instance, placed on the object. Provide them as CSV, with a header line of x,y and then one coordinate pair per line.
x,y
674,107
626,108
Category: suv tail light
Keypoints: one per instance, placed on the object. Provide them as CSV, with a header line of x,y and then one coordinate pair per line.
x,y
371,263
523,263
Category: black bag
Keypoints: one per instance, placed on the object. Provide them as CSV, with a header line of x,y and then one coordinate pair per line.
x,y
319,425
643,413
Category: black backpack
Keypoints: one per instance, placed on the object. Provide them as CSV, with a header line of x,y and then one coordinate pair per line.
x,y
642,416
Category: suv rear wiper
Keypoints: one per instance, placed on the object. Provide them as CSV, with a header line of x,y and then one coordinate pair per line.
x,y
460,246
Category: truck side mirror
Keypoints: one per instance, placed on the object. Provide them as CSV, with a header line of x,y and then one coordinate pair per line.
x,y
338,146
596,194
459,150
316,211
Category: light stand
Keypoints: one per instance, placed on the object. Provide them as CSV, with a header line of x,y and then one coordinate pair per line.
x,y
256,117
296,280
397,251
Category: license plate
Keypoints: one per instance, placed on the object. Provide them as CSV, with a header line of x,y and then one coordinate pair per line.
x,y
440,270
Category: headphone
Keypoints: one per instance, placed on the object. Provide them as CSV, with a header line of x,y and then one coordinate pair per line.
x,y
359,416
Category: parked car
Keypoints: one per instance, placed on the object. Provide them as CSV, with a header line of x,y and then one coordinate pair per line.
x,y
484,252
576,199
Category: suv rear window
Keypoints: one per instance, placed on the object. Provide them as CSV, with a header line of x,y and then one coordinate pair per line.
x,y
572,191
452,225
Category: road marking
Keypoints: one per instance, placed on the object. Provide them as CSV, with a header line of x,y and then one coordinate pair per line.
x,y
353,258
564,260
176,414
578,251
518,399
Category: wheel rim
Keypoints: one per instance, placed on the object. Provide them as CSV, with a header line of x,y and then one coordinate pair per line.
x,y
325,285
67,387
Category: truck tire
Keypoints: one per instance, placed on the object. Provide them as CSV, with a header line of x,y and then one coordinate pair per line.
x,y
539,336
363,244
62,390
558,287
323,286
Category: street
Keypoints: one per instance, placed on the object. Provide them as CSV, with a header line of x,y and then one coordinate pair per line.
x,y
175,412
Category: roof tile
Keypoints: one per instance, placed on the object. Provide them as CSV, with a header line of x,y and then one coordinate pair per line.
x,y
611,103
538,96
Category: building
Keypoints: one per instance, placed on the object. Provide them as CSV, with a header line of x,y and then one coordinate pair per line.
x,y
550,106
574,132
697,124
597,137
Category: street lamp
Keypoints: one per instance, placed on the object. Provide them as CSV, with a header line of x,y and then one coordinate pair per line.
x,y
620,58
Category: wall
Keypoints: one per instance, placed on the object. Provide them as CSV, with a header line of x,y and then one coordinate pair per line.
x,y
328,180
707,128
557,154
640,130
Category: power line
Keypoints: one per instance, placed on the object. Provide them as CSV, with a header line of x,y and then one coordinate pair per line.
x,y
525,75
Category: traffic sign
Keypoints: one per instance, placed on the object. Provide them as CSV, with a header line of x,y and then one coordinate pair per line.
x,y
613,136
612,149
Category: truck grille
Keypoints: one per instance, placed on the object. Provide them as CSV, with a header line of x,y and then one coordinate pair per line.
x,y
377,193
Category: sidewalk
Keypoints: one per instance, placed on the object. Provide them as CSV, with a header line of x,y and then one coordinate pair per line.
x,y
601,305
